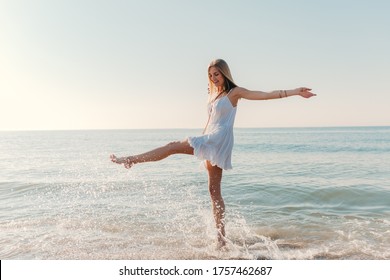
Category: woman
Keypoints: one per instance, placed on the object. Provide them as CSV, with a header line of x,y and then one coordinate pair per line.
x,y
216,144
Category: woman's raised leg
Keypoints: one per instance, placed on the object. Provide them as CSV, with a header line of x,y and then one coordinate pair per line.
x,y
178,147
215,178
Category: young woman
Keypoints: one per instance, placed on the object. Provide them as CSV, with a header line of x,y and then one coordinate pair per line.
x,y
216,144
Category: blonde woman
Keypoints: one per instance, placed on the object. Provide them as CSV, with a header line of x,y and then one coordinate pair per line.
x,y
216,144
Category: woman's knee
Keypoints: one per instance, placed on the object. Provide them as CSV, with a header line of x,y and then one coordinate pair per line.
x,y
172,146
179,147
215,191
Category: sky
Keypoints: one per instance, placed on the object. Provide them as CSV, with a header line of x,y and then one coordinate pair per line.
x,y
80,64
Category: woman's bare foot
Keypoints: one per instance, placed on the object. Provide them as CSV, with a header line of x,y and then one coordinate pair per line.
x,y
122,160
221,242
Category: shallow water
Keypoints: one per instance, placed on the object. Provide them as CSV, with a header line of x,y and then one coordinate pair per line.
x,y
308,193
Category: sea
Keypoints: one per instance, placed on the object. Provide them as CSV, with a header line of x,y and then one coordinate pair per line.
x,y
293,194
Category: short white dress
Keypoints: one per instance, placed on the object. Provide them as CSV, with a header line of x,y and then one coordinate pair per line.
x,y
216,144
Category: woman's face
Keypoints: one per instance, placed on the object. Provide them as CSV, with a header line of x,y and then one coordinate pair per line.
x,y
216,77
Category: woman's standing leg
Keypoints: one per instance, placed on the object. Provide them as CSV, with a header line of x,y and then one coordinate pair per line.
x,y
215,178
179,147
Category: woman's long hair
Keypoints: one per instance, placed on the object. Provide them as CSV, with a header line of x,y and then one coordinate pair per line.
x,y
223,67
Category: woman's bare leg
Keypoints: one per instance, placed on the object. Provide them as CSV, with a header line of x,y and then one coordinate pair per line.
x,y
179,147
215,178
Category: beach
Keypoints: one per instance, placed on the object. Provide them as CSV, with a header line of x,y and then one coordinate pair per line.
x,y
293,193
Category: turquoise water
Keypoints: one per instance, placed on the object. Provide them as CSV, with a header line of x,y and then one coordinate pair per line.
x,y
293,193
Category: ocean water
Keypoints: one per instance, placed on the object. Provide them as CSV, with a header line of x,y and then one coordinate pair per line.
x,y
296,193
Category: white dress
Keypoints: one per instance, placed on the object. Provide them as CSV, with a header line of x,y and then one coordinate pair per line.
x,y
216,144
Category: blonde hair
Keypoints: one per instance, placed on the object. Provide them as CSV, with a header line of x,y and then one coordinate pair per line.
x,y
223,67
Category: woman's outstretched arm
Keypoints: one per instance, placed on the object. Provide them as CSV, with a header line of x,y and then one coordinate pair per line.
x,y
240,92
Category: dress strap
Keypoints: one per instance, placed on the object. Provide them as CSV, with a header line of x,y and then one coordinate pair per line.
x,y
229,91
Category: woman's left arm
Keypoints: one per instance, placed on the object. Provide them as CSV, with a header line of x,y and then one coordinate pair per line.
x,y
276,94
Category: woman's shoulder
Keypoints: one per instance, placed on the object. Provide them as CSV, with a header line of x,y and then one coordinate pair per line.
x,y
235,95
237,92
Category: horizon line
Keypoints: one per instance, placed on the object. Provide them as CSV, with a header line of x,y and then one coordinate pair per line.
x,y
183,128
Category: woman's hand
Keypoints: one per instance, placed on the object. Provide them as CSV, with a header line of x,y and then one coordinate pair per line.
x,y
304,92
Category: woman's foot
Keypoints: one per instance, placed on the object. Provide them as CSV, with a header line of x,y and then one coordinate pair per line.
x,y
126,161
221,242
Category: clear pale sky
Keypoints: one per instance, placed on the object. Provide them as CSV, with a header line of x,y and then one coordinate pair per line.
x,y
77,64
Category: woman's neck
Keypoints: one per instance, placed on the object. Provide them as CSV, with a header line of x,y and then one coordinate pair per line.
x,y
220,90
